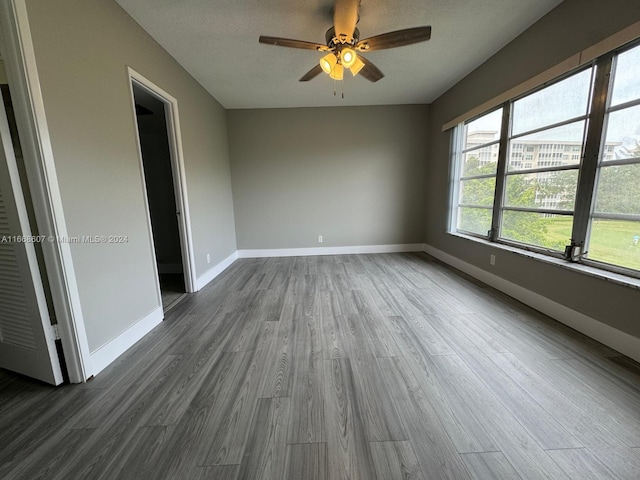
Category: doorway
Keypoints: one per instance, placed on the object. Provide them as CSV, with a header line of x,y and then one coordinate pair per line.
x,y
161,166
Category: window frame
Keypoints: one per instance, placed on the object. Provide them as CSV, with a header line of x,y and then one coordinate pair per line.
x,y
589,167
460,136
603,163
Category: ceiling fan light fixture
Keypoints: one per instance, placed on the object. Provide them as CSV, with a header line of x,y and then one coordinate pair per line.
x,y
338,72
342,49
348,57
328,62
356,67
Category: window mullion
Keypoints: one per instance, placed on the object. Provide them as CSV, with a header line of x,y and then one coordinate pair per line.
x,y
454,176
498,198
480,147
587,174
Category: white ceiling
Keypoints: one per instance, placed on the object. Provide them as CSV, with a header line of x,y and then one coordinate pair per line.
x,y
217,42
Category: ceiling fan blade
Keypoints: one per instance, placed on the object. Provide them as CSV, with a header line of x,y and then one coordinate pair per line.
x,y
287,42
345,17
398,38
313,73
370,71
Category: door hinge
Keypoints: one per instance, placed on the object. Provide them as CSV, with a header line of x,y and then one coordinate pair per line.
x,y
56,331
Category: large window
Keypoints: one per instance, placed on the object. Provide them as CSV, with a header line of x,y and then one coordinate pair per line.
x,y
558,169
615,222
540,193
479,161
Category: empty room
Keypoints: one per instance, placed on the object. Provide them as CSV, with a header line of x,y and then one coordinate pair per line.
x,y
320,239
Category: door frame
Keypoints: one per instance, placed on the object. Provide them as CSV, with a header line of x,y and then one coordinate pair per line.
x,y
20,63
174,135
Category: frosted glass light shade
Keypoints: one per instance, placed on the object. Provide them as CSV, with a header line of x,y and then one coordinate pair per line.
x,y
356,67
337,73
328,62
348,57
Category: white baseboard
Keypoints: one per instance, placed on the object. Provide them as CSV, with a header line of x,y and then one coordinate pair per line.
x,y
603,333
353,250
111,350
209,275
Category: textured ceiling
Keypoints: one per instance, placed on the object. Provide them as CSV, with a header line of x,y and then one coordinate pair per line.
x,y
217,42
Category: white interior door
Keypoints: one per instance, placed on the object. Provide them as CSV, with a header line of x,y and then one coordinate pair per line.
x,y
27,338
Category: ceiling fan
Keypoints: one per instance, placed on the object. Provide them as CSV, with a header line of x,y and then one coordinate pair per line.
x,y
344,44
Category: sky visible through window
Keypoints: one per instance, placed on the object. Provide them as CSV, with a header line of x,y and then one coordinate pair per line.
x,y
626,86
568,99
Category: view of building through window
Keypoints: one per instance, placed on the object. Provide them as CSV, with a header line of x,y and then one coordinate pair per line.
x,y
545,146
478,178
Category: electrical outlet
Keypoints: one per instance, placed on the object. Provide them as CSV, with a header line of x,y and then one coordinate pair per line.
x,y
492,260
208,258
320,239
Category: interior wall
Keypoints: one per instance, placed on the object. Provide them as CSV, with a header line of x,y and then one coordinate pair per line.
x,y
82,49
569,28
354,175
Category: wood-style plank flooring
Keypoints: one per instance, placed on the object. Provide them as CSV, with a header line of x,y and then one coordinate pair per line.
x,y
358,367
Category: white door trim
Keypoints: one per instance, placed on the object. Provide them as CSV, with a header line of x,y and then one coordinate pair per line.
x,y
177,167
20,62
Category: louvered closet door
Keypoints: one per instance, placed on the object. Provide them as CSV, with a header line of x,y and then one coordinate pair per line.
x,y
27,340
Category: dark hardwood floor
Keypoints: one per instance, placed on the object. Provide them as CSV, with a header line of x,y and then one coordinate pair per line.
x,y
340,367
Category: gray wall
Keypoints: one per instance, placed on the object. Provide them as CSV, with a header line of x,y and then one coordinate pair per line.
x,y
569,28
82,49
354,175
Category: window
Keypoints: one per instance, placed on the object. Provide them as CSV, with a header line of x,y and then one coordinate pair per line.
x,y
614,236
558,169
478,167
538,204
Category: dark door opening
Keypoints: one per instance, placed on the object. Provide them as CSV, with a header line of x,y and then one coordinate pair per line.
x,y
151,114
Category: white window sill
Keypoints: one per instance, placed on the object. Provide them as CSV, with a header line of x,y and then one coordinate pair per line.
x,y
616,278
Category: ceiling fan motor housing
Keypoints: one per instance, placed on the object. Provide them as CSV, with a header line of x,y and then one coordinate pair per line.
x,y
334,42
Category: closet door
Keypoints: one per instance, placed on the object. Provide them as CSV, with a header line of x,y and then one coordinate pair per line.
x,y
27,338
